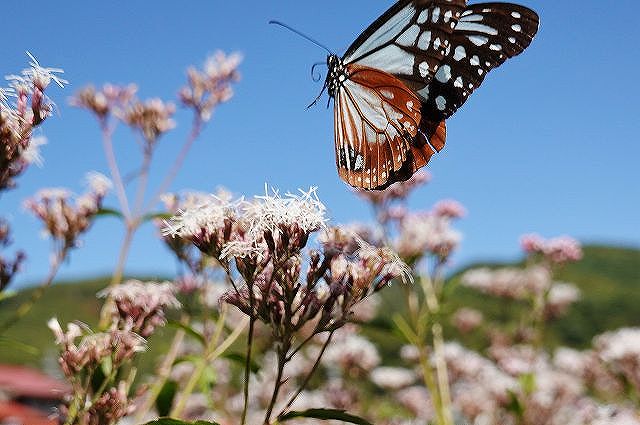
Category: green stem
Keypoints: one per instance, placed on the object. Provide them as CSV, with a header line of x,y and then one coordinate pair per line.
x,y
162,375
247,368
309,375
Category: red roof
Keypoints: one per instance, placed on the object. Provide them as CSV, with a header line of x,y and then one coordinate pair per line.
x,y
20,381
21,414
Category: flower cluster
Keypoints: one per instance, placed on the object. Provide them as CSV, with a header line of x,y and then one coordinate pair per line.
x,y
65,219
83,351
141,305
82,355
152,118
508,282
105,101
558,250
208,88
23,107
621,350
428,233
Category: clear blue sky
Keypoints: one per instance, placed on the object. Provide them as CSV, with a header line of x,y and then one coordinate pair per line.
x,y
549,143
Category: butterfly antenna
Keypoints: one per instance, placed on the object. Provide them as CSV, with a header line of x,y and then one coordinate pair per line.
x,y
302,35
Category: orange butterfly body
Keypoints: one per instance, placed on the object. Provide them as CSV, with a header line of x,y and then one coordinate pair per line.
x,y
407,73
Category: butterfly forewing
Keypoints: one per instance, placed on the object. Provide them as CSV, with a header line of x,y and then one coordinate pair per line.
x,y
485,36
376,119
409,40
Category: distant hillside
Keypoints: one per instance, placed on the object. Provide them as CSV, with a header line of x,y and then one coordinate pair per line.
x,y
68,301
609,278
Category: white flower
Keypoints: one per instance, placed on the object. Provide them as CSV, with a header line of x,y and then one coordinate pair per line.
x,y
618,345
99,183
207,217
31,155
271,212
392,378
43,76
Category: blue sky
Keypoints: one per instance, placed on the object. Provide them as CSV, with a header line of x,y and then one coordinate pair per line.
x,y
548,144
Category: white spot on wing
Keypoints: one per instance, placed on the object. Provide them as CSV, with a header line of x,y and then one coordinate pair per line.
x,y
441,103
387,32
516,15
424,40
391,59
458,83
408,38
444,73
475,27
423,17
478,40
472,18
388,94
460,53
424,69
475,60
436,15
516,28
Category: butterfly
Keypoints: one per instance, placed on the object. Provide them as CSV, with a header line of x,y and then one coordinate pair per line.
x,y
409,71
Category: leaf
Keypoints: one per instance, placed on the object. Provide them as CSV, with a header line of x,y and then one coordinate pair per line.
x,y
241,359
189,330
109,212
153,216
164,401
405,329
325,414
171,421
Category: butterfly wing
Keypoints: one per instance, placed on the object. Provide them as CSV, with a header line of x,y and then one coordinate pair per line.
x,y
417,47
486,35
376,129
409,40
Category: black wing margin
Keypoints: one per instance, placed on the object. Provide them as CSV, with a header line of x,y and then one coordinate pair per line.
x,y
486,35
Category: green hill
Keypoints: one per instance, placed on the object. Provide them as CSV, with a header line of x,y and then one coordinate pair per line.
x,y
609,278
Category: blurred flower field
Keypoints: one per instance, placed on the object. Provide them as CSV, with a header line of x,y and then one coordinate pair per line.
x,y
277,314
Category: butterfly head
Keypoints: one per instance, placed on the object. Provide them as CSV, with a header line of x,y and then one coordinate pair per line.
x,y
336,74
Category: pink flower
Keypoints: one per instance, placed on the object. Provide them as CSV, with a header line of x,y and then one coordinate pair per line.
x,y
449,208
558,250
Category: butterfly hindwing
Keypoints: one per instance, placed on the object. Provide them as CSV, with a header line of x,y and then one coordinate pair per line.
x,y
486,35
376,120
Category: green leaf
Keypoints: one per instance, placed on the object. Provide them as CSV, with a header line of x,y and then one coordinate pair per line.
x,y
171,421
405,329
325,414
241,359
164,401
109,212
189,330
153,216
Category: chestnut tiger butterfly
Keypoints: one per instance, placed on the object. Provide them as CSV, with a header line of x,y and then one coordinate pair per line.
x,y
409,71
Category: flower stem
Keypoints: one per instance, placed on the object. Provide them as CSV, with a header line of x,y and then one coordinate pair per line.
x,y
309,375
247,367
